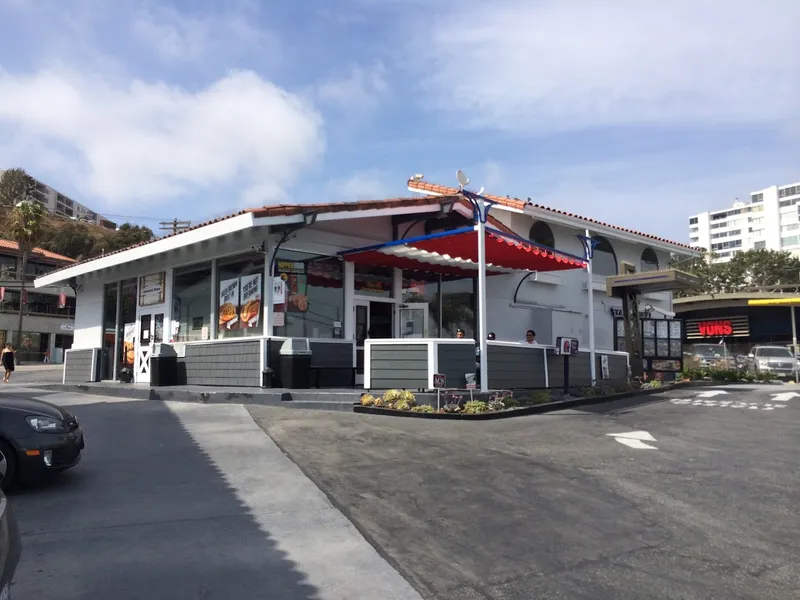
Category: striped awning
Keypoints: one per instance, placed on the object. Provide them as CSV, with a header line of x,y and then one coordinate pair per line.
x,y
456,253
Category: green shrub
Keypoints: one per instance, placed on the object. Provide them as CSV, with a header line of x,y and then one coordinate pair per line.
x,y
762,376
496,405
390,397
367,400
510,402
423,408
404,404
539,397
476,406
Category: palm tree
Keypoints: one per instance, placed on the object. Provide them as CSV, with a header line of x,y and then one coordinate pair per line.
x,y
27,228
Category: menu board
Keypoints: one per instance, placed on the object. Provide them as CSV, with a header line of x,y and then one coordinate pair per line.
x,y
228,303
151,289
251,301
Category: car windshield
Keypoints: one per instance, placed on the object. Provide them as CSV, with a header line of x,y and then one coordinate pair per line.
x,y
713,350
775,352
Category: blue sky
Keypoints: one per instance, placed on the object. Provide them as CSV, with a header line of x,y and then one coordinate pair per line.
x,y
636,113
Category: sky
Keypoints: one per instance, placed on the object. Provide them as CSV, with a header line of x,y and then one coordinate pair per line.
x,y
638,113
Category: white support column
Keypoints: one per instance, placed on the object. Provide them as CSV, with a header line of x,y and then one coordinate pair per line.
x,y
397,287
269,287
482,333
794,343
592,357
349,303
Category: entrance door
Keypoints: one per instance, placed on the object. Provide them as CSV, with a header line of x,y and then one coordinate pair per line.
x,y
413,320
361,308
151,332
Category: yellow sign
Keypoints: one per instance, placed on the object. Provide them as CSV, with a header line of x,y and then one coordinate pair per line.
x,y
774,301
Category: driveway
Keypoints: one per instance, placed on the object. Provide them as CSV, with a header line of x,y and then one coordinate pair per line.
x,y
552,506
187,501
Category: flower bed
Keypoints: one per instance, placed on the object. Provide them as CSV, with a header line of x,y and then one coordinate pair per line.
x,y
451,403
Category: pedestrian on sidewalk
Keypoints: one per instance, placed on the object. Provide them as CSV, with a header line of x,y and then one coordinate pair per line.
x,y
8,362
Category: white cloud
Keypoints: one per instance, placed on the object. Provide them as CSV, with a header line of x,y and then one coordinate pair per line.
x,y
359,89
364,185
533,66
142,142
182,37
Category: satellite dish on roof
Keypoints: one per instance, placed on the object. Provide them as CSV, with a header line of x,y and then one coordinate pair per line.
x,y
480,193
463,180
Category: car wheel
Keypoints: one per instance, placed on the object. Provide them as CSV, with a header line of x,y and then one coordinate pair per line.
x,y
8,467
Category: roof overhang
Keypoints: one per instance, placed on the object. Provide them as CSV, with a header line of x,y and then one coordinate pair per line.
x,y
650,282
226,226
456,253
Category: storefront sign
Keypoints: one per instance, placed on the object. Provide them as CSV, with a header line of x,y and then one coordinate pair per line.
x,y
288,266
228,303
618,313
251,300
697,329
151,289
67,327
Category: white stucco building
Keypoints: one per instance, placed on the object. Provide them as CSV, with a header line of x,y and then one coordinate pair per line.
x,y
203,290
769,220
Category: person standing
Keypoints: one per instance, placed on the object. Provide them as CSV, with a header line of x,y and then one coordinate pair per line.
x,y
530,338
8,362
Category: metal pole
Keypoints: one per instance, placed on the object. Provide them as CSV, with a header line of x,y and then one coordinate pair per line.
x,y
482,294
592,357
794,343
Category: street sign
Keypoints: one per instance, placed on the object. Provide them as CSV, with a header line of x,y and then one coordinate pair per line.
x,y
566,346
439,381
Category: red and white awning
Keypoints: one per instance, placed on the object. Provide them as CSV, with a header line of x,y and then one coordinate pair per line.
x,y
456,253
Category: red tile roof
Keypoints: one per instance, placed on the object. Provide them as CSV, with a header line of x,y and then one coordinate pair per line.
x,y
433,188
37,252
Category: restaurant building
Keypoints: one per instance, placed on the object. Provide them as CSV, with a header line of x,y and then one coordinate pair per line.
x,y
48,312
364,282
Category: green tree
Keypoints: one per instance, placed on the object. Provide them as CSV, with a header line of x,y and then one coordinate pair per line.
x,y
15,186
129,235
27,228
762,268
72,239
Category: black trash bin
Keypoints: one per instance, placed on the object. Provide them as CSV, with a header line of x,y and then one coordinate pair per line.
x,y
296,364
163,367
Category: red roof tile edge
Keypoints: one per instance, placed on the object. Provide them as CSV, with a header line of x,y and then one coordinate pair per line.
x,y
39,252
434,188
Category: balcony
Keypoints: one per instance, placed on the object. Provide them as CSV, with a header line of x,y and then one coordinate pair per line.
x,y
38,310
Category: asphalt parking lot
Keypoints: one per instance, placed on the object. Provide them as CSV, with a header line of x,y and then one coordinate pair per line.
x,y
702,505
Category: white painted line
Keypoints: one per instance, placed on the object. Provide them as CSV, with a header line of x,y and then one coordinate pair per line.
x,y
753,407
785,396
639,445
711,393
634,435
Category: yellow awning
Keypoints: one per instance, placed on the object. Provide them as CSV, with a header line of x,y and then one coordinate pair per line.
x,y
774,301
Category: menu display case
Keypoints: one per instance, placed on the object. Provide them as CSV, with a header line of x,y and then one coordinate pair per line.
x,y
662,349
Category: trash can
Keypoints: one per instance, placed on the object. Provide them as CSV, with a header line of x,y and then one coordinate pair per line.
x,y
163,366
296,364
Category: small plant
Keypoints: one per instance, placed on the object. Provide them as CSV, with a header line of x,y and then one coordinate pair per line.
x,y
379,402
451,407
496,405
510,402
423,408
367,400
539,397
406,401
762,376
650,385
588,392
390,397
476,406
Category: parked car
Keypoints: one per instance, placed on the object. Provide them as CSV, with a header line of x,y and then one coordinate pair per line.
x,y
10,546
716,356
777,361
36,438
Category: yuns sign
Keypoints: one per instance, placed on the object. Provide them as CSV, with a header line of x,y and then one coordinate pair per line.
x,y
697,329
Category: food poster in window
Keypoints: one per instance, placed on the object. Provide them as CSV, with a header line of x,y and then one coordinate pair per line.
x,y
228,303
295,281
129,344
251,301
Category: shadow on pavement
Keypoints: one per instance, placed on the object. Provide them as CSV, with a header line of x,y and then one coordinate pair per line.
x,y
146,514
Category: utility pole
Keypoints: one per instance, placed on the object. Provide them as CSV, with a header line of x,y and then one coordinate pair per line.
x,y
174,226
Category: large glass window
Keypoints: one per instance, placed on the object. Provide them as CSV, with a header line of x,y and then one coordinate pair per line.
x,y
423,288
374,281
191,303
458,307
239,308
649,260
604,260
126,334
309,295
33,346
8,267
110,295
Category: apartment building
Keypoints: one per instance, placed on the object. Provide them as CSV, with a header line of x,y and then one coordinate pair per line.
x,y
771,219
49,312
60,205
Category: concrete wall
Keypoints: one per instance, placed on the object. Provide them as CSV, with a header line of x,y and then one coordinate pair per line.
x,y
78,366
89,315
234,364
579,369
513,367
401,366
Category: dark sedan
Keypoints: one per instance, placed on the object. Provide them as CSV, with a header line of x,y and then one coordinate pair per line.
x,y
10,546
36,438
